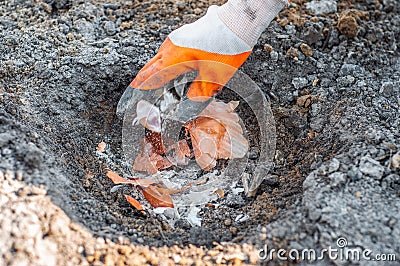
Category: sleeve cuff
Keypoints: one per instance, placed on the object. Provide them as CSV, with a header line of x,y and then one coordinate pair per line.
x,y
249,18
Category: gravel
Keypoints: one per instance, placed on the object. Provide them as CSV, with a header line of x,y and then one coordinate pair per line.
x,y
63,67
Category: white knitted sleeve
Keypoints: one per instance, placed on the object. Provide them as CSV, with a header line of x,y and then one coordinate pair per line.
x,y
249,18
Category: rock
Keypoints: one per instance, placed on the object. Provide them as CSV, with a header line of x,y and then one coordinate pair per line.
x,y
348,26
350,70
274,56
292,53
228,222
370,167
391,181
32,155
337,179
86,29
304,101
322,7
253,153
313,32
333,165
5,138
306,49
290,29
268,48
345,81
317,124
348,22
299,83
396,160
354,174
272,180
387,89
109,27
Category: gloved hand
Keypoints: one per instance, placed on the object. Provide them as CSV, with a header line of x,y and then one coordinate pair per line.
x,y
216,45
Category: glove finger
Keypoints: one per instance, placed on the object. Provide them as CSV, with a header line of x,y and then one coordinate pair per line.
x,y
211,79
201,91
158,74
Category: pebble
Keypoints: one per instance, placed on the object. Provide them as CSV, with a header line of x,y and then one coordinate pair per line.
x,y
272,180
387,89
274,56
396,160
371,167
109,26
304,101
253,153
306,49
292,53
5,138
268,48
228,222
299,82
347,24
354,174
322,7
333,165
345,81
337,179
351,70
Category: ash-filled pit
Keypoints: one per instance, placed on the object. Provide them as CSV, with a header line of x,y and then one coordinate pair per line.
x,y
73,115
62,76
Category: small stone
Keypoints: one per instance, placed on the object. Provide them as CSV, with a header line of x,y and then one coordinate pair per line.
x,y
299,83
228,222
5,138
306,49
371,167
154,25
253,153
290,29
387,89
233,230
337,179
70,36
283,22
46,7
345,81
268,48
351,70
304,101
109,27
125,25
347,24
274,56
314,214
90,259
396,160
333,165
354,174
272,180
292,53
198,11
322,7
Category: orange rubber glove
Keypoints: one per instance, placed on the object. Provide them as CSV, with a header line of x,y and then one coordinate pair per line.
x,y
216,45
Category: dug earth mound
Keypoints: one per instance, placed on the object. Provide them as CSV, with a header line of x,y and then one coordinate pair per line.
x,y
334,92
